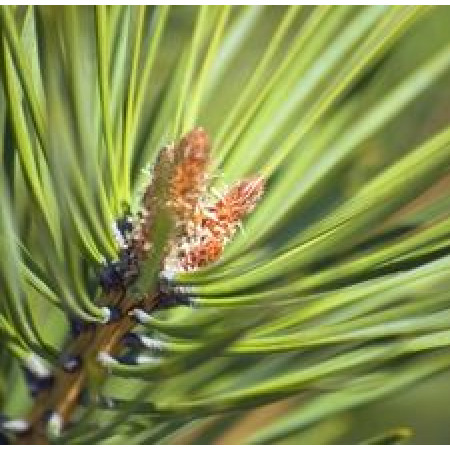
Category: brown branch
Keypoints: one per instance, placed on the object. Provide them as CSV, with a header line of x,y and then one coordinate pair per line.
x,y
63,396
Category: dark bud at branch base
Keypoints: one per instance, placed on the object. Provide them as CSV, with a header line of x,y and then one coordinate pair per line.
x,y
128,358
124,225
114,314
135,340
134,359
170,300
78,326
111,277
131,340
37,384
118,275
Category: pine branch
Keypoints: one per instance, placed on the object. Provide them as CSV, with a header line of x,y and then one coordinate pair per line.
x,y
80,359
307,231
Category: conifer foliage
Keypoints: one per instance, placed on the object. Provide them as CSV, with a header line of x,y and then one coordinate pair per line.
x,y
214,214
